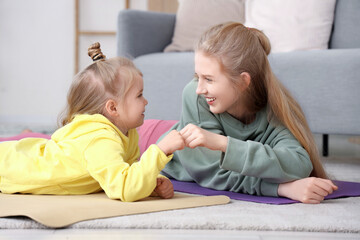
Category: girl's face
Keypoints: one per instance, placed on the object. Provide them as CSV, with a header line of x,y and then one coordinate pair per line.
x,y
131,111
213,84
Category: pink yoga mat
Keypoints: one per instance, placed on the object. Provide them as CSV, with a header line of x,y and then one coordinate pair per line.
x,y
25,135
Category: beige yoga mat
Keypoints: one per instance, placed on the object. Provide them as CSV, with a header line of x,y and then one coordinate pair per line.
x,y
61,211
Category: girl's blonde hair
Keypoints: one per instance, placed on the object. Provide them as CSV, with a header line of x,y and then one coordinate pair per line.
x,y
102,80
240,49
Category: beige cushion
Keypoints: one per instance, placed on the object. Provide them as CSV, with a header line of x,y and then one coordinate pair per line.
x,y
195,16
292,24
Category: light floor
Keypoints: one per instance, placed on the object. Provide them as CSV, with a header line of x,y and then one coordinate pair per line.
x,y
338,146
157,234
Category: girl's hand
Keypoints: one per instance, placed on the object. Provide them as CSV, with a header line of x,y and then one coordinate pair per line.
x,y
171,142
195,136
164,188
307,190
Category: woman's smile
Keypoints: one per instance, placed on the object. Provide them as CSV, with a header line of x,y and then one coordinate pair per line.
x,y
210,100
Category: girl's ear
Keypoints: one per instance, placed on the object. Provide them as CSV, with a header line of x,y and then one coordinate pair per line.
x,y
245,80
111,107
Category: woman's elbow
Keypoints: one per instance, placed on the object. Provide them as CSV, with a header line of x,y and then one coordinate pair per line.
x,y
305,168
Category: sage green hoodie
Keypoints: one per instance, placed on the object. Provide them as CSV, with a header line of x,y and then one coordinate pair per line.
x,y
259,155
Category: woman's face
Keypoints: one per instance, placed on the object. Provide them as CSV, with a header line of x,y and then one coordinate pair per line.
x,y
219,92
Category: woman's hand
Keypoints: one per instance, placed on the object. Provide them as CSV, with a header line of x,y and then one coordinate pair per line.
x,y
164,188
307,190
171,142
195,136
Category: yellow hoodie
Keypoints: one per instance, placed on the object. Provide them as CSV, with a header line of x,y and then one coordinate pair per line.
x,y
88,155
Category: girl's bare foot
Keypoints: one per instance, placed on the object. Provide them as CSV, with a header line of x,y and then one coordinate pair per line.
x,y
26,131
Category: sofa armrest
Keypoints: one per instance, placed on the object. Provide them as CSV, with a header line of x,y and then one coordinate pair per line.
x,y
326,85
143,32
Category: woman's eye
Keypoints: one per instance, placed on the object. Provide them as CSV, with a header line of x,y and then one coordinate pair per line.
x,y
208,79
140,95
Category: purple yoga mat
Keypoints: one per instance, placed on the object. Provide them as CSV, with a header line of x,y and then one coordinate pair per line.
x,y
346,189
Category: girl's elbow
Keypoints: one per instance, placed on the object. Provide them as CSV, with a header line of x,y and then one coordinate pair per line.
x,y
122,198
128,199
115,195
133,196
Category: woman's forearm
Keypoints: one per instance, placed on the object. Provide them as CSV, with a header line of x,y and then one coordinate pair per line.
x,y
221,142
307,190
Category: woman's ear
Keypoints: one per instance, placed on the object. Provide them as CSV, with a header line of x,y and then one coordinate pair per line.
x,y
111,107
245,80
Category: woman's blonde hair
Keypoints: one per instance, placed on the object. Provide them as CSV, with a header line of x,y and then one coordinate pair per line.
x,y
240,49
102,80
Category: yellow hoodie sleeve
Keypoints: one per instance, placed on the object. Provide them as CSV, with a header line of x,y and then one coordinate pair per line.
x,y
108,163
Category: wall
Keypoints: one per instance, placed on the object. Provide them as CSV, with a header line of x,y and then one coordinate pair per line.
x,y
37,55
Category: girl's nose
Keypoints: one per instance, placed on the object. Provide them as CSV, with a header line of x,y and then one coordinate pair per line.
x,y
146,101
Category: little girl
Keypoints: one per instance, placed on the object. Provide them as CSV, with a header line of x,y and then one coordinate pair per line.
x,y
97,147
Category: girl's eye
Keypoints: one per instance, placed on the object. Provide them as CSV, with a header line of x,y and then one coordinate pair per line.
x,y
208,79
140,95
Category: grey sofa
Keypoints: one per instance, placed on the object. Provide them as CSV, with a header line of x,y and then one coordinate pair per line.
x,y
326,83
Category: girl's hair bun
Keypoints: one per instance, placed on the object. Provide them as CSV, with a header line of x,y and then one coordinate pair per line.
x,y
94,51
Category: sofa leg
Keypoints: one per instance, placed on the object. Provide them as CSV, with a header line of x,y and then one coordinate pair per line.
x,y
325,145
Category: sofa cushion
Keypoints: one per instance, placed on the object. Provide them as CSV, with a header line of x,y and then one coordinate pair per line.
x,y
195,16
346,31
143,32
165,76
325,83
292,25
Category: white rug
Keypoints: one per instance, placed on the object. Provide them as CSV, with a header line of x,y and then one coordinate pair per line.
x,y
336,215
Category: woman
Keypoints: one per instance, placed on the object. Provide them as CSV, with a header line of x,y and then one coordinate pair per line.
x,y
243,129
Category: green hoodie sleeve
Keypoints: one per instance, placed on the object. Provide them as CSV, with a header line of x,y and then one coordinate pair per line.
x,y
280,160
247,166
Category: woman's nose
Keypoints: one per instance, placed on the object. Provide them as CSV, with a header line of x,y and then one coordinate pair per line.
x,y
200,88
